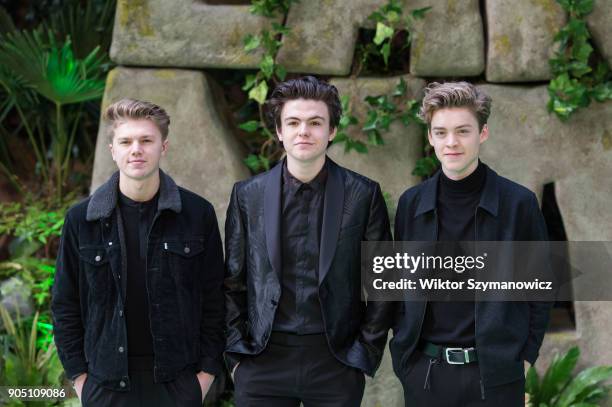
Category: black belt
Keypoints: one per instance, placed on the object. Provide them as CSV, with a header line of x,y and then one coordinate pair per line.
x,y
452,356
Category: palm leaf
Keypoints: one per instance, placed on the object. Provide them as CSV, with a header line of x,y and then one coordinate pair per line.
x,y
586,379
52,70
558,375
88,27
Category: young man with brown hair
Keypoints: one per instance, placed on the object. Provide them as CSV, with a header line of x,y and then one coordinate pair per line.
x,y
137,302
298,330
467,353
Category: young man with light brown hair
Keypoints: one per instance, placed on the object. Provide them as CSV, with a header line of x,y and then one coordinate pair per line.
x,y
467,353
137,302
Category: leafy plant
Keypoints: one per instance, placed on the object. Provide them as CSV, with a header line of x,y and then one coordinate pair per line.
x,y
48,77
559,388
22,363
578,77
392,35
269,74
342,135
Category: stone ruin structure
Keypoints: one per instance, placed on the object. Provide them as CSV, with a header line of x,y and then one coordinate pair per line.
x,y
163,50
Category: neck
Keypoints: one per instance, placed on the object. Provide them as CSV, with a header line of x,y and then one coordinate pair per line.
x,y
139,190
305,171
459,176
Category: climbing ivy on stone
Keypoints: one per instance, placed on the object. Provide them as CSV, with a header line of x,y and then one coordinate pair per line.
x,y
269,74
392,35
578,77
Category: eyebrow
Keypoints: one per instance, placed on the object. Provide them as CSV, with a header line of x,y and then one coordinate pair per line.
x,y
458,127
309,118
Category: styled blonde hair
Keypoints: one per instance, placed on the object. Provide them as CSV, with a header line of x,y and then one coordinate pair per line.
x,y
125,109
455,94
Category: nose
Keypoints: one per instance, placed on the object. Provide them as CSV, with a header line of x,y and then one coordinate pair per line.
x,y
451,140
136,148
303,129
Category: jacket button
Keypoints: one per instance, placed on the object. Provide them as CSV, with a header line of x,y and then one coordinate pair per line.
x,y
98,258
110,243
120,349
120,312
187,250
121,383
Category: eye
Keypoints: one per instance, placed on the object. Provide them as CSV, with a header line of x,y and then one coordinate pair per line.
x,y
439,133
315,123
146,140
292,123
123,142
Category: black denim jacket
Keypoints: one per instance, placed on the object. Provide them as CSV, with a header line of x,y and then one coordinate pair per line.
x,y
184,273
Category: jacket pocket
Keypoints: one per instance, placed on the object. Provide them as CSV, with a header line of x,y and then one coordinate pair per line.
x,y
185,260
96,267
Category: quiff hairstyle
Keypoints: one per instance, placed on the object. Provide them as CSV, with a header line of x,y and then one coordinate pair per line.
x,y
307,87
132,109
455,94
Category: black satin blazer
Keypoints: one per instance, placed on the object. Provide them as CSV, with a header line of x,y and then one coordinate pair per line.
x,y
354,210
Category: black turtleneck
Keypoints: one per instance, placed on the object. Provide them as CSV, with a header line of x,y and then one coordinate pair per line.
x,y
137,218
453,323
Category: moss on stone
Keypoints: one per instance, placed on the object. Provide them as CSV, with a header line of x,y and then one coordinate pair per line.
x,y
135,14
502,44
165,73
606,140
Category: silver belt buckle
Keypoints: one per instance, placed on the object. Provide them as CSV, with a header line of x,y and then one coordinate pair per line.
x,y
446,355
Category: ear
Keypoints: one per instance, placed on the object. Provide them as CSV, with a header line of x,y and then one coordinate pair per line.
x,y
110,147
279,134
332,135
484,134
164,147
429,138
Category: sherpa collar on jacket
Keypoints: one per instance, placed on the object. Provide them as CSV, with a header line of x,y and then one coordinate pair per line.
x,y
104,199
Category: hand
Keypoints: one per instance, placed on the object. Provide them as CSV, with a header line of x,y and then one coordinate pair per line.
x,y
234,370
78,384
205,380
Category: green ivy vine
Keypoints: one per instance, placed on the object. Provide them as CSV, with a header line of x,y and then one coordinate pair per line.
x,y
578,75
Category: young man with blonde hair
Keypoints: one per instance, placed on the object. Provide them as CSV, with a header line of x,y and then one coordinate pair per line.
x,y
467,353
137,302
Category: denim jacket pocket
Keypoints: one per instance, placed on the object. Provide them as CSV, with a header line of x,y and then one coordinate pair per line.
x,y
95,264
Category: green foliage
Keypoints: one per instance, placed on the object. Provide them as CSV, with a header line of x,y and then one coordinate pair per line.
x,y
267,42
23,363
270,8
342,135
62,62
559,388
577,76
390,23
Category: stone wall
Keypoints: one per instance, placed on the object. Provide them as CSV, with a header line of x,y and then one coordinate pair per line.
x,y
502,44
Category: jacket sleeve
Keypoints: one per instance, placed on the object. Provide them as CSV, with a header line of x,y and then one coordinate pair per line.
x,y
212,332
235,279
539,311
379,314
65,303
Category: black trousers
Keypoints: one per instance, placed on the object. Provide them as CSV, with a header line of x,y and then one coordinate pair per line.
x,y
454,385
184,391
294,369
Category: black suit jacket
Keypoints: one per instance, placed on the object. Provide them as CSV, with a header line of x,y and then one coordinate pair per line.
x,y
354,210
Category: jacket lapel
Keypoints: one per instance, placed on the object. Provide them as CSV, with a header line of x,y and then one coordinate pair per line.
x,y
272,216
332,218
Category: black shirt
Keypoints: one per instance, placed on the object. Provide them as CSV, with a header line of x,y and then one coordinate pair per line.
x,y
137,219
453,323
299,309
